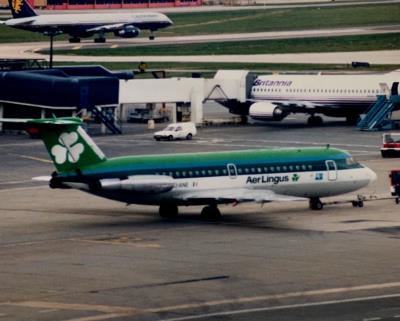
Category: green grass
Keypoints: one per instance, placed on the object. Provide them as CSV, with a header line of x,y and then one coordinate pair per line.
x,y
282,19
329,44
255,20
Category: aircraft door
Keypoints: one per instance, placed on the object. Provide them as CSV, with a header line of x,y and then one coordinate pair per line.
x,y
332,170
232,172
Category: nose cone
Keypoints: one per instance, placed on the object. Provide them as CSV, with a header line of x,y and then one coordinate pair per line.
x,y
370,174
169,21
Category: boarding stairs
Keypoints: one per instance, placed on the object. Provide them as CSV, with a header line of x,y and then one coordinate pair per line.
x,y
378,115
107,119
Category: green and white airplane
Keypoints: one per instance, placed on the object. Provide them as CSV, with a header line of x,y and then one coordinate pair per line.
x,y
209,179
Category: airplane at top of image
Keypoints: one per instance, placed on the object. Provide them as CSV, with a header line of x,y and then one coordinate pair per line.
x,y
274,97
124,25
203,178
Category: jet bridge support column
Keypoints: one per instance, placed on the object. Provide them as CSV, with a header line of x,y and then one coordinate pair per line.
x,y
196,105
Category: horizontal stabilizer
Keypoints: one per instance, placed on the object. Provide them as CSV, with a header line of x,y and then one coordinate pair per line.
x,y
41,179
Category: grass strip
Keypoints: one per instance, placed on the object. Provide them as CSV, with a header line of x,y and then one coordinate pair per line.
x,y
323,44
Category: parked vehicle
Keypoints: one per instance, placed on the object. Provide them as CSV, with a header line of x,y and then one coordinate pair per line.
x,y
395,184
390,145
143,115
177,131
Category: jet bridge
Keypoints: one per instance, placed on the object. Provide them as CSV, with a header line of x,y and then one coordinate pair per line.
x,y
227,85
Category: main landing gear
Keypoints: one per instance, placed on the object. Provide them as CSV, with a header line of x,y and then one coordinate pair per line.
x,y
74,40
100,40
210,213
314,120
168,211
151,36
316,204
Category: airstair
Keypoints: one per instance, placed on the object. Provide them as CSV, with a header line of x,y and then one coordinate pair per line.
x,y
106,118
378,115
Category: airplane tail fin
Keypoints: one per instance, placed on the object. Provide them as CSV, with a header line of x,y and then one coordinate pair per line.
x,y
21,9
68,145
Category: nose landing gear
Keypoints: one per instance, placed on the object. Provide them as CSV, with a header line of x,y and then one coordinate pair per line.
x,y
316,204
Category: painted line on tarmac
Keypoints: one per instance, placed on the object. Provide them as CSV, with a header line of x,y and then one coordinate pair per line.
x,y
279,296
43,160
285,307
23,188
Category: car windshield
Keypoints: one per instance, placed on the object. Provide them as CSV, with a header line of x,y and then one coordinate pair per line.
x,y
170,129
391,138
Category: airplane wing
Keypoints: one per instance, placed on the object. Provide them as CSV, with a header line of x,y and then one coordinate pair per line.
x,y
239,195
105,28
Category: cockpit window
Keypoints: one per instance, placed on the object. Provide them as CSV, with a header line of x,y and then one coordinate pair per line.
x,y
350,161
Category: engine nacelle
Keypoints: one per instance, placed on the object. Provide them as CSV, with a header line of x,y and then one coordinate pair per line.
x,y
127,32
153,184
266,111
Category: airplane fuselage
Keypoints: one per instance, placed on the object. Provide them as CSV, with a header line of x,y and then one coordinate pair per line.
x,y
332,95
81,24
305,173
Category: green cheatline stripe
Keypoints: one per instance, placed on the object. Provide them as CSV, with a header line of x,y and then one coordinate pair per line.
x,y
151,163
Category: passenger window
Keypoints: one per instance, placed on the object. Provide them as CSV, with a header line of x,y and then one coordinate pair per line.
x,y
259,170
224,171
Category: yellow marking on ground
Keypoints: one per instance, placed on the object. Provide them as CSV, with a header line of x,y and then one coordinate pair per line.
x,y
74,307
111,312
277,297
100,317
34,158
121,241
114,46
76,47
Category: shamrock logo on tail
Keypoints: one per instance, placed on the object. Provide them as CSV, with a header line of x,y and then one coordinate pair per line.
x,y
68,148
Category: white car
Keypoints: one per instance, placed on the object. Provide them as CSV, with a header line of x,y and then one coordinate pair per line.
x,y
177,131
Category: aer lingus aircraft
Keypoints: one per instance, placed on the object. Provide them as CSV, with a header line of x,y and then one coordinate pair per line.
x,y
210,178
82,25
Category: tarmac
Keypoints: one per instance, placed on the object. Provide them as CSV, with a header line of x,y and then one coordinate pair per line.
x,y
66,255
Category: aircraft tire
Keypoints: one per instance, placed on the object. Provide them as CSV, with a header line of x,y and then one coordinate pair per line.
x,y
316,204
315,121
74,40
100,40
168,211
210,213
